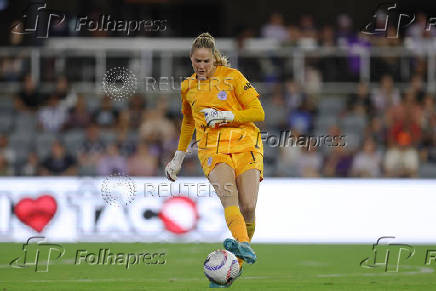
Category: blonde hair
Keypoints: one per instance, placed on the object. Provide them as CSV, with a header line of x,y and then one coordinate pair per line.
x,y
206,40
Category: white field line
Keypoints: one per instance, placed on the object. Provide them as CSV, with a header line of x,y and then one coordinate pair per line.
x,y
421,270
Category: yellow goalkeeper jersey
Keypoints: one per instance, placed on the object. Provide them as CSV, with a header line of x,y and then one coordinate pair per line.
x,y
226,90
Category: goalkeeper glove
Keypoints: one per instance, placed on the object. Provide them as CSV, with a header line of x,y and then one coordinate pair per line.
x,y
216,118
174,166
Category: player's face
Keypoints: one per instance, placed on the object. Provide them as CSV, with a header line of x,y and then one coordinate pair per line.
x,y
202,62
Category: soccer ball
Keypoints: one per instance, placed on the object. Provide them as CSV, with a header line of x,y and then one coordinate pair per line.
x,y
221,267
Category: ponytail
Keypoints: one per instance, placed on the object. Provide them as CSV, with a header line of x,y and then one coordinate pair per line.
x,y
205,40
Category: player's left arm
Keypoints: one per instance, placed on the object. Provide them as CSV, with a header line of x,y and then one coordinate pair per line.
x,y
248,98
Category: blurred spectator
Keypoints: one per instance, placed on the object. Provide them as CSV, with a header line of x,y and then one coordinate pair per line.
x,y
11,68
344,28
156,127
377,130
79,116
87,163
28,98
126,145
6,151
31,167
404,135
53,116
331,67
367,162
309,162
289,156
62,87
106,116
428,117
302,118
137,105
428,152
401,159
275,28
142,163
58,162
242,36
123,122
361,101
93,142
356,46
307,27
313,80
405,117
417,87
294,36
327,37
276,111
386,95
5,170
338,163
293,95
111,162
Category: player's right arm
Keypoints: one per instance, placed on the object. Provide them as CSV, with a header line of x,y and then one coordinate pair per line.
x,y
186,132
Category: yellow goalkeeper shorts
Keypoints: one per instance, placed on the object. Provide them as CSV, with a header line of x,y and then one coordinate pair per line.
x,y
240,162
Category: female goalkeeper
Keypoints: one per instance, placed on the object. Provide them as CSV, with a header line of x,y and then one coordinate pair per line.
x,y
222,105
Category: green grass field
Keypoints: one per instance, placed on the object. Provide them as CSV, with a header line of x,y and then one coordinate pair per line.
x,y
279,267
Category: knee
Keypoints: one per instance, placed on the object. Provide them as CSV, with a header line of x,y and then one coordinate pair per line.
x,y
247,209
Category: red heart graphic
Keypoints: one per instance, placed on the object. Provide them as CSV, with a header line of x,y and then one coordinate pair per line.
x,y
36,213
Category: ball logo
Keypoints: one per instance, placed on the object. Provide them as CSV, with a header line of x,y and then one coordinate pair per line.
x,y
222,95
179,215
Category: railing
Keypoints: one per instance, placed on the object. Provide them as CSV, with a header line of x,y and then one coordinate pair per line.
x,y
169,58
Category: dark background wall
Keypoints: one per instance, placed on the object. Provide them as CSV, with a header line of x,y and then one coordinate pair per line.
x,y
221,17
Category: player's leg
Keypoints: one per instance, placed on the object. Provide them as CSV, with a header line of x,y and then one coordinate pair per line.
x,y
249,168
248,189
222,177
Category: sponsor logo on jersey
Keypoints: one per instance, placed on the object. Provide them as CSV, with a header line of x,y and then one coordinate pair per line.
x,y
247,86
209,161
